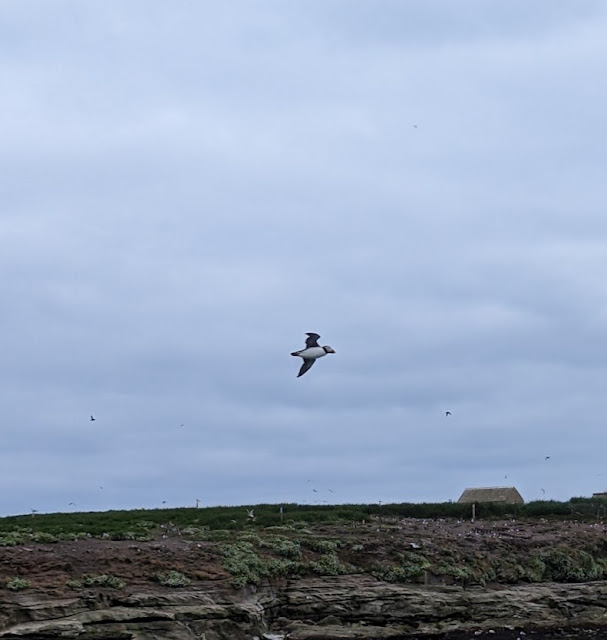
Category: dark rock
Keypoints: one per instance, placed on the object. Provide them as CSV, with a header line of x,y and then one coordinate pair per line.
x,y
354,607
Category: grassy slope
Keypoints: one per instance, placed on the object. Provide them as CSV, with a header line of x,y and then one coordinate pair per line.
x,y
319,539
234,518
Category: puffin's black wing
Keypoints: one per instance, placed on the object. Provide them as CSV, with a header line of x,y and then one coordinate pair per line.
x,y
312,340
307,364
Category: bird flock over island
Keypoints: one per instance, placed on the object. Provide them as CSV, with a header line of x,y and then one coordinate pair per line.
x,y
309,355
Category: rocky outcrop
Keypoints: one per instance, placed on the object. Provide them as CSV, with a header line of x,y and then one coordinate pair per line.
x,y
363,608
327,608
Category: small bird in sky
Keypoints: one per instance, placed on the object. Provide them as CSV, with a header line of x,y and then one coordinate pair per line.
x,y
505,476
100,487
71,504
447,413
331,490
547,458
92,418
181,425
311,353
544,491
315,491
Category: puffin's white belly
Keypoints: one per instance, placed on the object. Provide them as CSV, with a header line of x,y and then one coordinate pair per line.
x,y
312,353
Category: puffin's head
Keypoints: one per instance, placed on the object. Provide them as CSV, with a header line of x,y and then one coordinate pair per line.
x,y
329,349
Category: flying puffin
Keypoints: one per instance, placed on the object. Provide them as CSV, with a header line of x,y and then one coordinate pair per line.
x,y
311,353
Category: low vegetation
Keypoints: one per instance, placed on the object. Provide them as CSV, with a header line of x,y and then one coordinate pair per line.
x,y
102,580
218,522
17,584
171,578
330,540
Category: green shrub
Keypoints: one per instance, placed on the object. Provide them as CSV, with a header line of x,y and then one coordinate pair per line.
x,y
277,567
12,538
44,537
569,565
250,536
319,545
18,584
102,580
533,569
172,579
196,533
328,565
284,547
219,535
504,570
412,567
243,563
71,536
462,573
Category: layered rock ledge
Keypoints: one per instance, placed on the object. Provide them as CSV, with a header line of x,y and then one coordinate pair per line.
x,y
320,608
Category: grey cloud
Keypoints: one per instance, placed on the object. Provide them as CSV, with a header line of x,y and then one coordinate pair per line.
x,y
187,190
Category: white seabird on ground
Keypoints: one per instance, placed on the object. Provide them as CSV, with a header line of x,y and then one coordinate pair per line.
x,y
311,353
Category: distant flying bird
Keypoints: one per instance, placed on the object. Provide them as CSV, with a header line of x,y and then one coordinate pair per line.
x,y
92,418
250,514
505,476
315,491
311,353
544,491
181,425
71,504
547,458
100,487
331,490
447,413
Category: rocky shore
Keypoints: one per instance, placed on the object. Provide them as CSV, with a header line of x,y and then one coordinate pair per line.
x,y
326,608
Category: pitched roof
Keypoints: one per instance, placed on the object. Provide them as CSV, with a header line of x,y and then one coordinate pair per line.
x,y
508,495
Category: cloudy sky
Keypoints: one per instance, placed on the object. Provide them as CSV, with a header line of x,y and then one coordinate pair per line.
x,y
189,187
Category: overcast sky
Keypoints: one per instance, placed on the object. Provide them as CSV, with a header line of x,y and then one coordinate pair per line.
x,y
187,188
